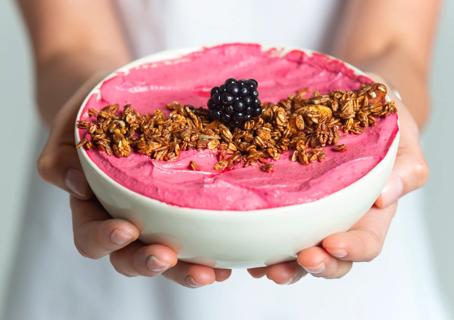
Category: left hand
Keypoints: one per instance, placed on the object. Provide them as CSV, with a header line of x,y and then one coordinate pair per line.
x,y
334,256
96,233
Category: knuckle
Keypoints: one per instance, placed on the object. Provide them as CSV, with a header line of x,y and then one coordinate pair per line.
x,y
337,275
371,245
375,247
83,251
114,261
44,165
421,172
344,271
372,255
282,281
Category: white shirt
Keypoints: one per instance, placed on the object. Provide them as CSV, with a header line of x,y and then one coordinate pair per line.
x,y
160,24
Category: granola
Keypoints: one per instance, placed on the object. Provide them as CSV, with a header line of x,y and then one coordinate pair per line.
x,y
304,126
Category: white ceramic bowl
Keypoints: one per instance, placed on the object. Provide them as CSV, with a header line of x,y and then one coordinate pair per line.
x,y
236,239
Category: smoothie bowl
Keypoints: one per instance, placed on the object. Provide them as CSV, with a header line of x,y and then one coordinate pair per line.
x,y
239,189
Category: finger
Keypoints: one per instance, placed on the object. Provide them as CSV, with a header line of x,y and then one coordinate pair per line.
x,y
410,170
222,274
365,240
285,273
60,166
96,234
151,260
122,260
319,263
191,275
257,272
392,191
145,260
58,163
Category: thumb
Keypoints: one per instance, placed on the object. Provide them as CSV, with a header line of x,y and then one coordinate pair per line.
x,y
58,163
410,170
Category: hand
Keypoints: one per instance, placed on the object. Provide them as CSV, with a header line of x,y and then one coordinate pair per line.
x,y
333,258
96,234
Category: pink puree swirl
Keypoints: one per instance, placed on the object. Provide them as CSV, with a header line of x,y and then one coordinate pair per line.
x,y
188,80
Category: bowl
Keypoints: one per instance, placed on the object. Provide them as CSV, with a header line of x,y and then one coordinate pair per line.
x,y
236,239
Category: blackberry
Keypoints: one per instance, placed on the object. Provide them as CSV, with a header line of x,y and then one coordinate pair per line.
x,y
235,102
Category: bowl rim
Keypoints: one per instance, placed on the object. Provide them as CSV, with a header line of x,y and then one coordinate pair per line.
x,y
173,55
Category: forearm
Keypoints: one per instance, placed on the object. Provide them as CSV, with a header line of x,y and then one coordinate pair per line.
x,y
404,75
392,38
57,79
70,47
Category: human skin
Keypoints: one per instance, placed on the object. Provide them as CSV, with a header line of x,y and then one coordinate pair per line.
x,y
73,51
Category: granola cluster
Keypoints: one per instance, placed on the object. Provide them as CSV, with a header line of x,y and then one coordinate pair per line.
x,y
304,126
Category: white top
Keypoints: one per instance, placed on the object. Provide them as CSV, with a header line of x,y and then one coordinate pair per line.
x,y
160,24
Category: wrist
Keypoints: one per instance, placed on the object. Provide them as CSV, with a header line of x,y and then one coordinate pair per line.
x,y
61,76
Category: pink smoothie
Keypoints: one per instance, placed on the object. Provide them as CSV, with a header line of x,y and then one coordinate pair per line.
x,y
188,80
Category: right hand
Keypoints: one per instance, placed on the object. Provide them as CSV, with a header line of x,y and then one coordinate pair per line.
x,y
96,233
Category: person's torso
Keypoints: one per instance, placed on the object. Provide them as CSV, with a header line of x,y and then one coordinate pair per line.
x,y
153,25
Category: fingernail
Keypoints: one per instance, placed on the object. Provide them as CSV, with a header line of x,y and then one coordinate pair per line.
x,y
120,237
155,265
190,282
392,191
316,270
338,253
76,184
